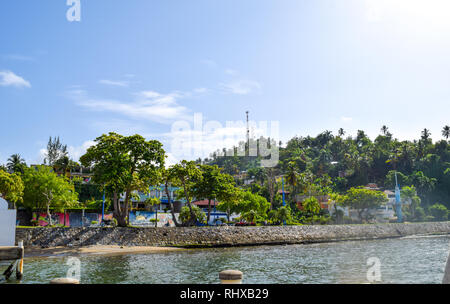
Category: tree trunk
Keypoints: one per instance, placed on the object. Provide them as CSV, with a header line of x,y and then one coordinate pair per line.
x,y
118,214
166,186
50,221
193,218
49,197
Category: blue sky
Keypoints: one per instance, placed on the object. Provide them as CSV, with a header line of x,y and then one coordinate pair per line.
x,y
138,66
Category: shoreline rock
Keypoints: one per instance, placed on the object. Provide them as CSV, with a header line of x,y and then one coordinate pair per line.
x,y
208,237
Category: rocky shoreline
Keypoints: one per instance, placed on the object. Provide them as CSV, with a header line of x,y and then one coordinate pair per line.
x,y
204,237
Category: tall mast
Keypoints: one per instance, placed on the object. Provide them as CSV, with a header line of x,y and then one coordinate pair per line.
x,y
248,134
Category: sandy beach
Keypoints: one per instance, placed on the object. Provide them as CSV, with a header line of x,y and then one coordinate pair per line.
x,y
95,250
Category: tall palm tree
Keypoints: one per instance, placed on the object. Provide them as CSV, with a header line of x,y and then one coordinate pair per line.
x,y
426,134
446,132
384,130
341,132
15,163
292,177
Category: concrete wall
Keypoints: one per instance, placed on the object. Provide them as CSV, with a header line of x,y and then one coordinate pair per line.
x,y
221,236
7,224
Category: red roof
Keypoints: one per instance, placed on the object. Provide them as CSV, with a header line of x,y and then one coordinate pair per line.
x,y
285,192
205,203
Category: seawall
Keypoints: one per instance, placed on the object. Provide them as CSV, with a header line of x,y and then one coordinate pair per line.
x,y
221,236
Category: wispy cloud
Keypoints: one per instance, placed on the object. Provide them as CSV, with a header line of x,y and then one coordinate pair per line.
x,y
8,78
147,105
75,152
231,72
200,90
241,86
346,119
18,57
114,83
210,63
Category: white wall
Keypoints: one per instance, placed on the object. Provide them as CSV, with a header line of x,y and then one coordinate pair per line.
x,y
7,225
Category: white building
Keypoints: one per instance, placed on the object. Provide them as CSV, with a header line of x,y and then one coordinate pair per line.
x,y
7,224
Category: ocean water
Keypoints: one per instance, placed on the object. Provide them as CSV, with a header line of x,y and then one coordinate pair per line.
x,y
403,260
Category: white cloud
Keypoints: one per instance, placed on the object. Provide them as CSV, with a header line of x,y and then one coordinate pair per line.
x,y
200,90
346,119
148,105
114,83
8,78
231,72
75,152
18,57
210,63
241,86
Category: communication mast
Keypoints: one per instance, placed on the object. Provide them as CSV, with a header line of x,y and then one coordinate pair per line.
x,y
248,135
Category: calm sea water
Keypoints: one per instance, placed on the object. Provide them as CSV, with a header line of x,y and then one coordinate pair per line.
x,y
404,260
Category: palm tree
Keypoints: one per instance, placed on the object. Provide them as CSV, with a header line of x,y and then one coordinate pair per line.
x,y
384,130
15,163
426,134
446,132
292,177
341,132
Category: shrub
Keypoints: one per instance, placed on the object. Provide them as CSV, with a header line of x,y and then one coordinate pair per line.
x,y
439,212
185,215
419,214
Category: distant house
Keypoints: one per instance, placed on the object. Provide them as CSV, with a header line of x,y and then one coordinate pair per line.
x,y
372,186
205,203
385,212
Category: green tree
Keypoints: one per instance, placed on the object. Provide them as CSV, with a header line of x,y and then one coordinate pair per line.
x,y
16,164
439,212
229,200
11,187
45,190
311,205
169,179
409,194
55,151
212,183
446,132
255,202
187,175
250,216
284,215
190,216
123,165
292,177
363,200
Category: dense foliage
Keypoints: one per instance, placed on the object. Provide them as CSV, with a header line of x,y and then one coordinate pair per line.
x,y
336,163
